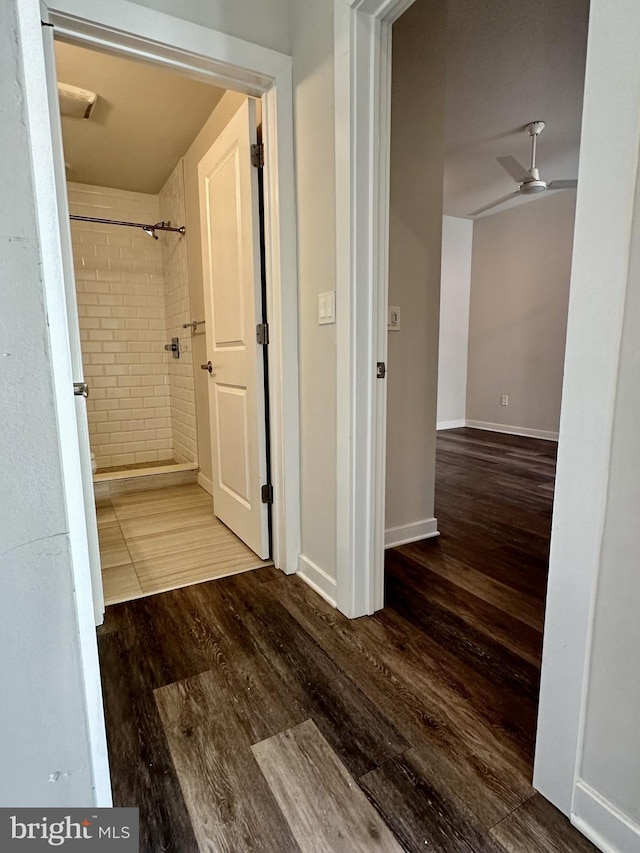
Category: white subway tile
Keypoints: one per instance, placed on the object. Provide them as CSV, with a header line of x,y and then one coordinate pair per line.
x,y
107,275
147,456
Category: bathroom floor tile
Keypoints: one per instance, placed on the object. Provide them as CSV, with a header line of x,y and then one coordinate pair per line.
x,y
105,513
156,540
140,504
174,518
120,583
113,548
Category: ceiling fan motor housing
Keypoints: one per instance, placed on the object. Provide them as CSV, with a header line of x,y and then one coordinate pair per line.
x,y
535,128
530,187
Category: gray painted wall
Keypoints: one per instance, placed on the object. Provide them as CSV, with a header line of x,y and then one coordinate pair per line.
x,y
44,750
520,273
415,236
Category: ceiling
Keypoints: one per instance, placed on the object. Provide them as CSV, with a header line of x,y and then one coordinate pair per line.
x,y
145,119
510,62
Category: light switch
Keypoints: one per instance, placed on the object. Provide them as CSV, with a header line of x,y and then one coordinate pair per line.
x,y
327,308
393,324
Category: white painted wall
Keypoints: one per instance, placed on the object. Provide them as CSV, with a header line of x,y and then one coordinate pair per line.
x,y
44,745
313,80
264,22
415,250
587,754
610,766
455,287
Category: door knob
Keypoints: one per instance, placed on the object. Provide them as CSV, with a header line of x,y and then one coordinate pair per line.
x,y
208,366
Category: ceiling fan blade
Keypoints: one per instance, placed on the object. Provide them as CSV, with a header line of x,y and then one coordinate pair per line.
x,y
562,185
515,169
495,203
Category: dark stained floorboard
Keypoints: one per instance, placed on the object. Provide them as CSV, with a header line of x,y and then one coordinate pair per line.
x,y
228,798
353,726
430,705
142,772
420,815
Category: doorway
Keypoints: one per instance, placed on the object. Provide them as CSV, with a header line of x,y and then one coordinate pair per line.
x,y
474,580
135,137
279,251
583,447
252,71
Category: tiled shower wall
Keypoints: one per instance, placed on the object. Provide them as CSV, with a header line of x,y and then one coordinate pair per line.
x,y
176,294
121,303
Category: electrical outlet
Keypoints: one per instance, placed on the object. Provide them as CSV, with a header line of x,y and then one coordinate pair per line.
x,y
504,400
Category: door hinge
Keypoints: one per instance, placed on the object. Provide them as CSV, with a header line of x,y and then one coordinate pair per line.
x,y
262,334
257,155
267,494
381,370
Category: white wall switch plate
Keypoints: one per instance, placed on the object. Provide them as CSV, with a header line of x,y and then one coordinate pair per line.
x,y
393,324
504,400
326,308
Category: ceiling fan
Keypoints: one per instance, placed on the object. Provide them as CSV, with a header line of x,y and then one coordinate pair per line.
x,y
529,179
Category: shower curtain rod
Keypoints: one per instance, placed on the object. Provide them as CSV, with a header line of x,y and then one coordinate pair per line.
x,y
148,229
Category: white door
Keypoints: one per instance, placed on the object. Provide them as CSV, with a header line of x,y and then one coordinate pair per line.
x,y
229,217
74,329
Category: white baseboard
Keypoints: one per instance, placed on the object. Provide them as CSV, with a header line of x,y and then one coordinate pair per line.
x,y
317,579
451,424
513,430
205,482
603,824
406,533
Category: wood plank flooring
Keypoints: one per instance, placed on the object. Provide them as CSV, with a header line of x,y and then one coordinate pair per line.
x,y
326,810
245,714
161,539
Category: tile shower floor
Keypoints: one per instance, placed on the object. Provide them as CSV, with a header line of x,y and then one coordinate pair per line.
x,y
162,539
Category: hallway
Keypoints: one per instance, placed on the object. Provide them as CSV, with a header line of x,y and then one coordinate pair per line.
x,y
245,714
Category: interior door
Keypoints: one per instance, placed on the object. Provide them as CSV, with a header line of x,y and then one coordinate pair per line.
x,y
229,216
74,328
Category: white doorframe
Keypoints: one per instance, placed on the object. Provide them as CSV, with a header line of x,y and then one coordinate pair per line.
x,y
129,29
362,32
599,278
611,123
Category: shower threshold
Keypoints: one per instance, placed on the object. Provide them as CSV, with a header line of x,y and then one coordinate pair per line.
x,y
142,469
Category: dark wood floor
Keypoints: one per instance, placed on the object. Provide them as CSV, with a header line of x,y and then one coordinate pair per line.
x,y
245,714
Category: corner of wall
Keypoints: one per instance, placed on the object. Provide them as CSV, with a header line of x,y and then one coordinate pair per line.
x,y
178,312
